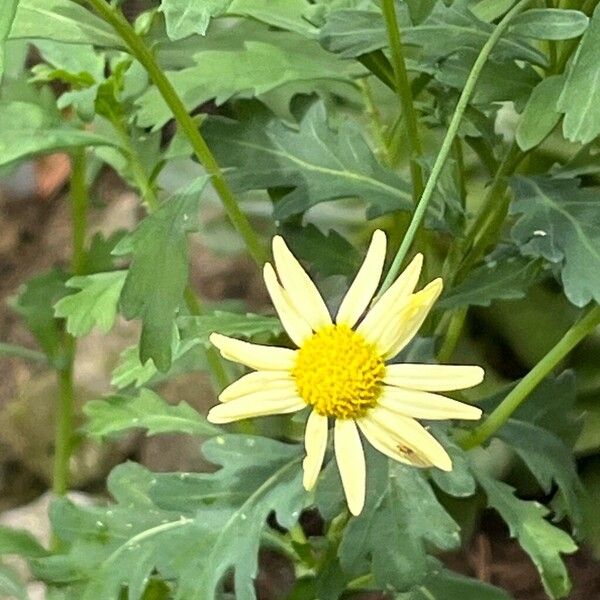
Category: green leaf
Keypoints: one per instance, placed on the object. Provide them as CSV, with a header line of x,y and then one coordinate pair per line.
x,y
158,274
446,585
540,116
503,278
438,36
560,222
191,528
35,305
541,540
187,356
27,129
550,24
581,93
187,17
352,32
327,253
149,411
549,460
233,324
320,163
21,542
401,518
95,305
8,9
262,65
61,21
11,585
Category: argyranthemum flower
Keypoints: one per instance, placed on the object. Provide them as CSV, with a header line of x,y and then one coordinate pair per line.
x,y
340,370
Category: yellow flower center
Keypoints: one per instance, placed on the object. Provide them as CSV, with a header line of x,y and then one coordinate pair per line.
x,y
339,373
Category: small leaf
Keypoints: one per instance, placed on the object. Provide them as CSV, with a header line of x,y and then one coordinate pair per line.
x,y
541,540
540,117
560,222
581,93
506,278
550,24
95,305
149,411
158,274
246,326
35,305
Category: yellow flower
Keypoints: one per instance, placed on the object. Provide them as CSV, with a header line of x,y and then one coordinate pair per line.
x,y
339,370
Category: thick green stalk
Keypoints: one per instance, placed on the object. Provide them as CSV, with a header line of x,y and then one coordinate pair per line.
x,y
446,148
63,440
403,89
521,391
144,55
21,352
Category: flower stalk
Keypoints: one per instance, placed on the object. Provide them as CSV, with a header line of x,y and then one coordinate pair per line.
x,y
542,369
448,142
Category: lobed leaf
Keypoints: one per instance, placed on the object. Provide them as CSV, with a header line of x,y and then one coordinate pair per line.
x,y
560,221
95,305
505,278
401,518
158,274
149,411
321,164
541,540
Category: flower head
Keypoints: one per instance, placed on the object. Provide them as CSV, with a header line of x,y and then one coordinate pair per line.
x,y
340,370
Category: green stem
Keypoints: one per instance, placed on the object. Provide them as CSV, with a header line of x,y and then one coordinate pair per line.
x,y
521,391
144,55
403,89
455,325
63,440
64,420
215,362
20,352
492,213
446,148
79,207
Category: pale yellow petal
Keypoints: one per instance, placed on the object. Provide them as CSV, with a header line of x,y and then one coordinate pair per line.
x,y
272,402
403,325
425,405
403,439
295,325
255,356
315,442
301,291
256,382
433,378
377,320
365,283
351,463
